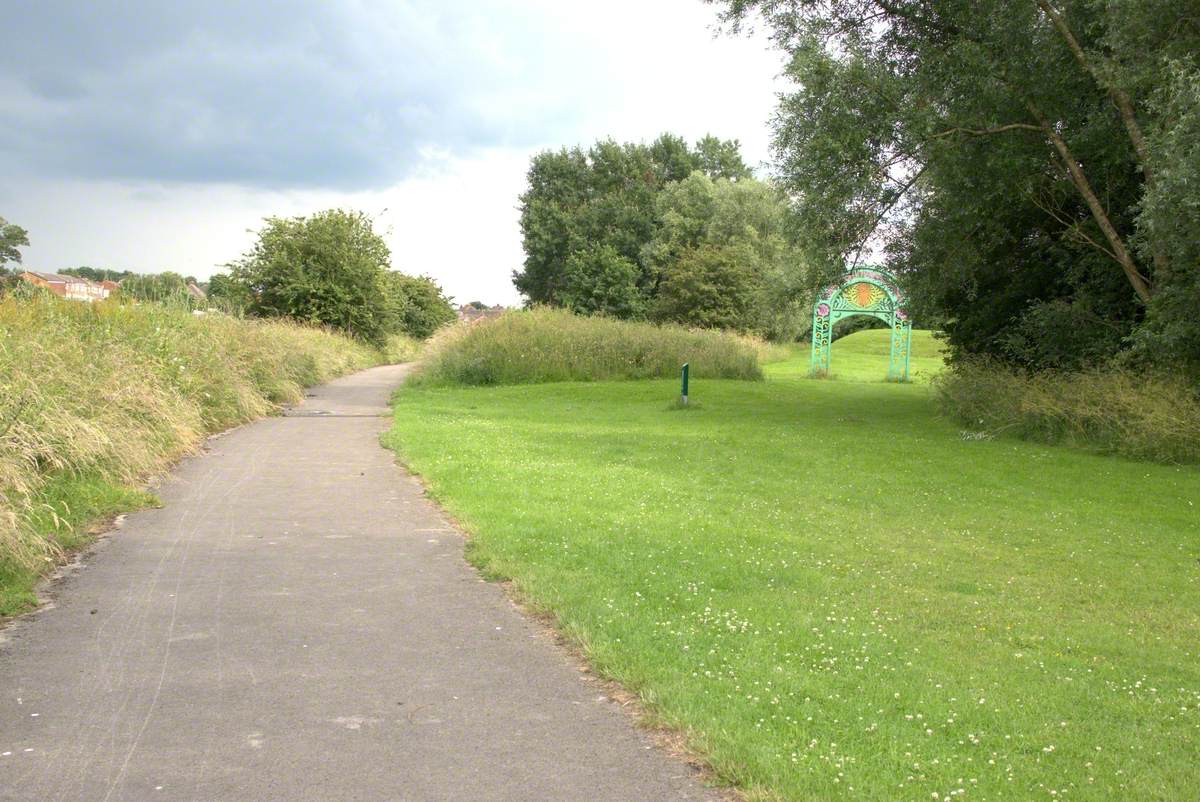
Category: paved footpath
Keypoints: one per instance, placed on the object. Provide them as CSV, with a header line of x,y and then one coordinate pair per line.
x,y
297,622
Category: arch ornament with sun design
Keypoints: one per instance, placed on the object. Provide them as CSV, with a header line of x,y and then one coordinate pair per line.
x,y
863,291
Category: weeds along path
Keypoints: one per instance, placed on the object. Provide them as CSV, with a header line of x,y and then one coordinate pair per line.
x,y
297,622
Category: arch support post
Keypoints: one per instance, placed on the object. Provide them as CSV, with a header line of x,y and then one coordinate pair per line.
x,y
901,347
822,334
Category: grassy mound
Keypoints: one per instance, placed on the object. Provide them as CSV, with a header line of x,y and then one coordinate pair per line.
x,y
94,398
1113,411
546,345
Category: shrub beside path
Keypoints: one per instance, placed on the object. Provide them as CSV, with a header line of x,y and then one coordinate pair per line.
x,y
297,622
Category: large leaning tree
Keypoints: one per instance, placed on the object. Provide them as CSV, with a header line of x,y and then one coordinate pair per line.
x,y
1032,166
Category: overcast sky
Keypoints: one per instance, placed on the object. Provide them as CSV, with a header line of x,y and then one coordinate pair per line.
x,y
155,136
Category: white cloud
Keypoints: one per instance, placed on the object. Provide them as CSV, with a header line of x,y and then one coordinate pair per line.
x,y
539,74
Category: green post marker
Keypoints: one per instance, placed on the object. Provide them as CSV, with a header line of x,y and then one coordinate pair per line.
x,y
684,392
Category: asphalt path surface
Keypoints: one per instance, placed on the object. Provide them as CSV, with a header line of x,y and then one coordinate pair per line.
x,y
297,622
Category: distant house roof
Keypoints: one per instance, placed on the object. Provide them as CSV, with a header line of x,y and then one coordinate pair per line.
x,y
56,278
196,292
470,313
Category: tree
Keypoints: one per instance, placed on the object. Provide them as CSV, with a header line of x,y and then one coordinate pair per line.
x,y
12,239
582,207
710,286
158,287
228,293
744,219
418,307
720,158
1022,149
97,273
600,280
329,268
1170,218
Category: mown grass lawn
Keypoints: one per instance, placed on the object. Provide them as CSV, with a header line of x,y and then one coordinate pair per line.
x,y
831,591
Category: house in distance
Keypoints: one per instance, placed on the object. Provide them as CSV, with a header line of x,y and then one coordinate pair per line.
x,y
72,288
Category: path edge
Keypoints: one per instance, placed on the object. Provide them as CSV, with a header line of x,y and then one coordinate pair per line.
x,y
671,741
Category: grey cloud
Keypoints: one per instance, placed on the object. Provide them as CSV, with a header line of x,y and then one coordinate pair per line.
x,y
270,94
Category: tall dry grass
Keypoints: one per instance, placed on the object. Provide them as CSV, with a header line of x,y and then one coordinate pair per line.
x,y
120,391
547,345
1111,411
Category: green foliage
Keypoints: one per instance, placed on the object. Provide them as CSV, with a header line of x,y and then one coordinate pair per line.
x,y
552,345
588,217
332,269
611,230
834,593
328,269
97,273
165,287
227,292
722,257
601,280
1170,220
719,158
1110,411
1030,166
708,287
12,239
112,393
418,307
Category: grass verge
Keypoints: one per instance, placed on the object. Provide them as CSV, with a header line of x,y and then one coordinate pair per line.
x,y
831,592
69,512
94,398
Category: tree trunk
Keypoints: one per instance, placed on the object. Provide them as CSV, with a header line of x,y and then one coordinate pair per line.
x,y
1140,285
1124,106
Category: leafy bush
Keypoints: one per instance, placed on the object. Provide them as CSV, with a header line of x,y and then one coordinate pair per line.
x,y
114,392
546,345
1112,411
332,269
418,305
326,269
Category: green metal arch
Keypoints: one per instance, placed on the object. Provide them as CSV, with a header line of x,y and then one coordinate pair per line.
x,y
866,291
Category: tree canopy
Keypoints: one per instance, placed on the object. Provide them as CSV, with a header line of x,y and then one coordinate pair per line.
x,y
1030,167
165,287
98,273
597,205
12,239
332,268
418,305
727,242
661,231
